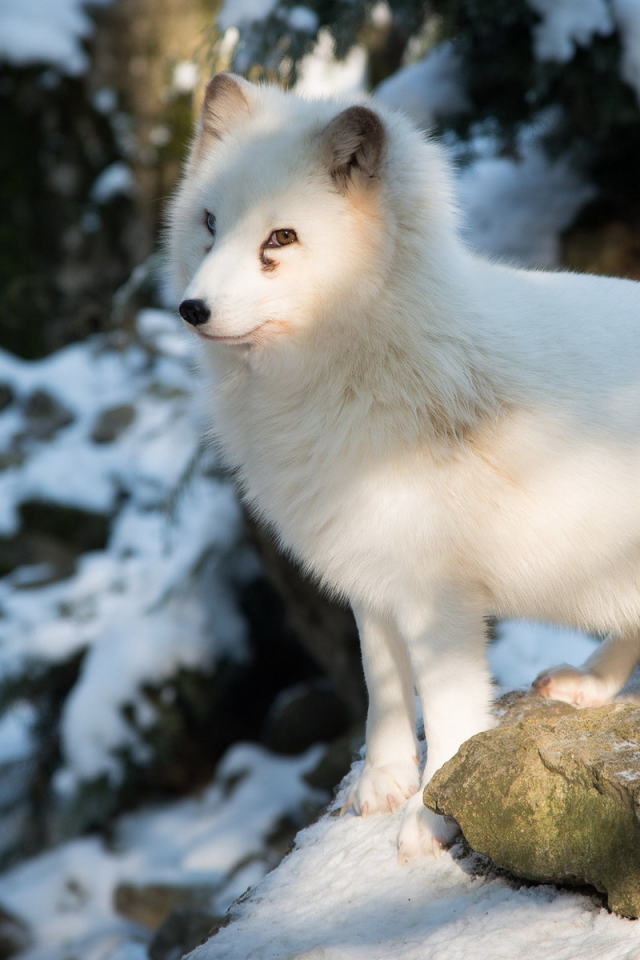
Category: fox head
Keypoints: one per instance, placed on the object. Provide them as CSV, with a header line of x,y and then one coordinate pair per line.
x,y
294,217
280,214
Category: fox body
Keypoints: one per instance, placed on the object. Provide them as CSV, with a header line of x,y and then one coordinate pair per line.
x,y
438,438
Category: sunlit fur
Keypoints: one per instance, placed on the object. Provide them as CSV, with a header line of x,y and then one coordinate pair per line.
x,y
435,436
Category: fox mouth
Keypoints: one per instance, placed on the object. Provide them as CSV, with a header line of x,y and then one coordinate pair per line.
x,y
240,339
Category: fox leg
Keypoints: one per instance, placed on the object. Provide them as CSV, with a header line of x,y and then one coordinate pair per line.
x,y
600,677
390,774
446,641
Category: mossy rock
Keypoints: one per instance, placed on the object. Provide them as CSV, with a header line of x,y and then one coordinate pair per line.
x,y
552,794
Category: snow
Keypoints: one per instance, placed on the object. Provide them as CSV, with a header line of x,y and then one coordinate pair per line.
x,y
515,207
301,18
236,13
15,733
341,895
627,16
66,894
45,31
185,77
523,650
321,74
116,179
566,23
427,90
137,606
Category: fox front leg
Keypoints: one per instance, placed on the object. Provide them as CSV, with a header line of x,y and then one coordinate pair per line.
x,y
445,637
391,773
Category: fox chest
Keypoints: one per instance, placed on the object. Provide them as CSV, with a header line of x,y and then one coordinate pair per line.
x,y
357,527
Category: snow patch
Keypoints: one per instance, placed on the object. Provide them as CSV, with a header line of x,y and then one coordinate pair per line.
x,y
139,607
115,180
341,895
236,13
515,208
47,32
301,18
428,90
522,650
566,23
320,73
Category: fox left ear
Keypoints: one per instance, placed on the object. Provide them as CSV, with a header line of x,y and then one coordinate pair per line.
x,y
226,103
353,144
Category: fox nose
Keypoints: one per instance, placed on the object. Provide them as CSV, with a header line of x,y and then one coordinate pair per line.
x,y
195,312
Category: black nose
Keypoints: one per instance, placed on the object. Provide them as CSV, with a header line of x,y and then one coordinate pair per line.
x,y
194,312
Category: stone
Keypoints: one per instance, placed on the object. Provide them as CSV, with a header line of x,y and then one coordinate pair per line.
x,y
552,794
7,395
152,904
303,715
112,422
14,935
45,415
182,931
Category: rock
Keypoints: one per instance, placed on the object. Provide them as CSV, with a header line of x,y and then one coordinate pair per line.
x,y
45,415
14,935
152,904
72,526
6,395
182,931
552,794
112,422
335,762
303,715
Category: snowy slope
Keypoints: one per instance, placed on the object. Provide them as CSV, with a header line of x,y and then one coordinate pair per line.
x,y
342,895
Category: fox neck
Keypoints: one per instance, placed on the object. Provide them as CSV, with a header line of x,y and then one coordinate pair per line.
x,y
381,378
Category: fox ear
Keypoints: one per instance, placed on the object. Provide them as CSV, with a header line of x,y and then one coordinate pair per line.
x,y
226,102
353,144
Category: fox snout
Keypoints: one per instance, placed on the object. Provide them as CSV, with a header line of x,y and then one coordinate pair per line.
x,y
195,312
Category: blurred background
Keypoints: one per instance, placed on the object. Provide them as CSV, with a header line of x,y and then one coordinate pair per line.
x,y
176,701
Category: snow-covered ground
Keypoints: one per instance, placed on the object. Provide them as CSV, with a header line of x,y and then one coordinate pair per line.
x,y
215,840
341,895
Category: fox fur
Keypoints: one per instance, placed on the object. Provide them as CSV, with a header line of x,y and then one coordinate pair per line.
x,y
438,438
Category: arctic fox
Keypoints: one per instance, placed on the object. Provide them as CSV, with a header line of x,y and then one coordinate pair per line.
x,y
436,437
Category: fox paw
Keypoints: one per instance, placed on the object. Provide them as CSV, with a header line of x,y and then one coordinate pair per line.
x,y
424,833
572,685
382,789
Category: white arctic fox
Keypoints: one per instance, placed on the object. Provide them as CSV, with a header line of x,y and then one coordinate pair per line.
x,y
436,437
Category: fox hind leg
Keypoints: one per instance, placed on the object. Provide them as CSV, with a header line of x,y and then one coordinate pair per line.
x,y
599,679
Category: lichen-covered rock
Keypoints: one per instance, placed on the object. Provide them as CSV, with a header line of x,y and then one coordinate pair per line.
x,y
552,794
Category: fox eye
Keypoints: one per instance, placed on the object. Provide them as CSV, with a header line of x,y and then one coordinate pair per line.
x,y
210,222
280,238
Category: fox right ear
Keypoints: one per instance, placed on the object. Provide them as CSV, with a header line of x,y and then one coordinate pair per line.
x,y
353,144
226,102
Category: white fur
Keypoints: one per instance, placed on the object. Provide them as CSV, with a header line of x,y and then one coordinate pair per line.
x,y
436,437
